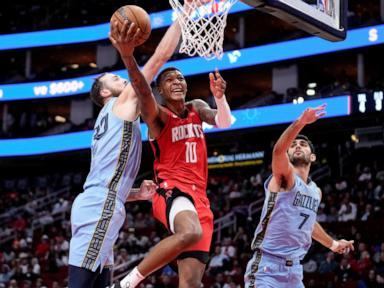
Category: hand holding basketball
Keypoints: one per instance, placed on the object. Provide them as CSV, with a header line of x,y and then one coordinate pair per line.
x,y
217,84
311,115
131,14
124,38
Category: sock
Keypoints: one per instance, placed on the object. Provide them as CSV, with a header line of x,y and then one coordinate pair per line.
x,y
132,279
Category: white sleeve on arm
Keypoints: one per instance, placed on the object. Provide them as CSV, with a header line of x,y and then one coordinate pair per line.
x,y
223,117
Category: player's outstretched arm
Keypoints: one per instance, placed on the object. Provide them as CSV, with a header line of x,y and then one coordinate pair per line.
x,y
125,41
222,116
125,44
337,246
282,169
123,38
166,47
163,52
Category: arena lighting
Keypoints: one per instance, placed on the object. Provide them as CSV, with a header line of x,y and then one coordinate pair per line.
x,y
60,119
244,118
191,66
84,34
354,138
310,92
298,100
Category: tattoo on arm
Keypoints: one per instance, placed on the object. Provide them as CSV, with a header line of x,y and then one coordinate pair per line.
x,y
137,78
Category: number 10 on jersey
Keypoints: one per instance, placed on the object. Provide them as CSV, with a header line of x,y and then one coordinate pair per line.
x,y
190,152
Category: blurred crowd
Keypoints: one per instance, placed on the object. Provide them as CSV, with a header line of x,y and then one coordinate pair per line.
x,y
24,122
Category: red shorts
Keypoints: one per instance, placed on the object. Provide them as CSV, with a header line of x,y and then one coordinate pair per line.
x,y
161,204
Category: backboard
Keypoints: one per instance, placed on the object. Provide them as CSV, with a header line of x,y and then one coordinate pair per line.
x,y
322,18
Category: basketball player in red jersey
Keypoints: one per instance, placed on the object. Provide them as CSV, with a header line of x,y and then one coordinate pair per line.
x,y
178,142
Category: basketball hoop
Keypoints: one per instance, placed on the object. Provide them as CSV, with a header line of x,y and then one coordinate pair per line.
x,y
202,25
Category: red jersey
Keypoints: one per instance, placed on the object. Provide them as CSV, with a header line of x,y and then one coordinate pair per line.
x,y
181,154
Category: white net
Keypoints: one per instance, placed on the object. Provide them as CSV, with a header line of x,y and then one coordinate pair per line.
x,y
202,23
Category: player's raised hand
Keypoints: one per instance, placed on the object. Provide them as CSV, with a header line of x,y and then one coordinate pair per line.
x,y
147,189
217,84
344,246
124,37
311,115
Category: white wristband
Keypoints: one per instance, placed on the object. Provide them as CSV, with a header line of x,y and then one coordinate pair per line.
x,y
223,117
334,246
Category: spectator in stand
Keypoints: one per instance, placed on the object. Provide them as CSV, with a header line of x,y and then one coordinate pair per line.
x,y
380,263
321,216
333,215
13,284
219,281
228,249
366,175
369,281
348,210
367,213
241,239
217,262
165,282
344,272
122,258
230,283
237,269
329,265
29,275
341,185
235,193
61,244
364,264
43,247
5,273
20,224
310,266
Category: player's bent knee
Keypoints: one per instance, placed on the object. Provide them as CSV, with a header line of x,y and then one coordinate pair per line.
x,y
187,239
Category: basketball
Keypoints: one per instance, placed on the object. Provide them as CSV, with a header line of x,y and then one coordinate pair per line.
x,y
135,14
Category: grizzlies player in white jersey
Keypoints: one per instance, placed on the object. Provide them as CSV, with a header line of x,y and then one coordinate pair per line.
x,y
288,220
98,213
